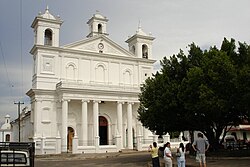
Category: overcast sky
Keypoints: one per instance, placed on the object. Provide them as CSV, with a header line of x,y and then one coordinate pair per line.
x,y
174,23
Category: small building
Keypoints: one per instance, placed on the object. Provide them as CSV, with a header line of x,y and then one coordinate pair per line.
x,y
25,127
241,132
6,131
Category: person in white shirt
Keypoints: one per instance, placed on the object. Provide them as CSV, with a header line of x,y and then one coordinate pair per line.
x,y
168,156
181,158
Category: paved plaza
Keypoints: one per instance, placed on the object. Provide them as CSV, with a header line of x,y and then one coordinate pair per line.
x,y
133,159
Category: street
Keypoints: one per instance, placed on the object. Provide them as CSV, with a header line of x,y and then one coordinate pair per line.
x,y
123,160
136,159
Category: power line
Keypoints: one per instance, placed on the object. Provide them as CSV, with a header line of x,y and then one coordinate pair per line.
x,y
6,70
21,48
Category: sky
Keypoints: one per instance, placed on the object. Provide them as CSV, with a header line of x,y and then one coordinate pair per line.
x,y
174,23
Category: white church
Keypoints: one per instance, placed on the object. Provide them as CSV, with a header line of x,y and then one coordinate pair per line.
x,y
84,95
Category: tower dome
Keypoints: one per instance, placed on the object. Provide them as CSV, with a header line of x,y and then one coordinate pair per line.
x,y
48,15
6,125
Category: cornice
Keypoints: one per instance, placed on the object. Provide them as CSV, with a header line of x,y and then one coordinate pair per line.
x,y
97,18
33,92
45,20
98,92
35,48
139,36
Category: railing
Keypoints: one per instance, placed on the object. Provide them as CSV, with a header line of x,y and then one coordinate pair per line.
x,y
237,145
97,86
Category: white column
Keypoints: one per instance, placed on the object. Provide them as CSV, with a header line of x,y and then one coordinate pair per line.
x,y
58,144
85,122
130,131
119,121
96,121
64,124
35,118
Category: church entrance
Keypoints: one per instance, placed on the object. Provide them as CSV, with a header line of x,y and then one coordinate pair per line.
x,y
103,130
70,138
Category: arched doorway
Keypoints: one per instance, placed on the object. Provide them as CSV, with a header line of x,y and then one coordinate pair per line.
x,y
70,138
103,130
7,137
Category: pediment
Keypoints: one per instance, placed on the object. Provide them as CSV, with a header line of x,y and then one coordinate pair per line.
x,y
99,44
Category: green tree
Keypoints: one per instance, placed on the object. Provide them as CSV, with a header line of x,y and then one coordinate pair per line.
x,y
206,90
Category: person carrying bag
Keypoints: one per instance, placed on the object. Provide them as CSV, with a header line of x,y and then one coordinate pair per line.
x,y
181,156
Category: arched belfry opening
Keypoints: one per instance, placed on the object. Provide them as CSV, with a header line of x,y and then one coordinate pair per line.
x,y
103,130
99,28
133,49
48,37
144,51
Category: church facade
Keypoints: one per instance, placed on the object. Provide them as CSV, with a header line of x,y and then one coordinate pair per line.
x,y
84,95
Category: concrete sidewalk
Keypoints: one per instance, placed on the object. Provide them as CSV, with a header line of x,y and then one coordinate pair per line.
x,y
213,162
190,160
69,156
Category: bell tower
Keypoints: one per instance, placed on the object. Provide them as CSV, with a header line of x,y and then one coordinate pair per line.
x,y
97,25
46,33
46,29
140,44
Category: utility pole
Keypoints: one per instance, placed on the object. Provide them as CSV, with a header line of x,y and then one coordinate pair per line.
x,y
19,118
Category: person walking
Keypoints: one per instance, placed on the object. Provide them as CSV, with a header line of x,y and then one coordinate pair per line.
x,y
154,154
168,156
181,156
200,145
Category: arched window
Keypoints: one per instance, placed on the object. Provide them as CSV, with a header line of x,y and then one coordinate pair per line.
x,y
48,37
127,76
100,72
99,28
71,71
7,137
144,51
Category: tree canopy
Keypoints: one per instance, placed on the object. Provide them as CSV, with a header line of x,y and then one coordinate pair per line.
x,y
206,90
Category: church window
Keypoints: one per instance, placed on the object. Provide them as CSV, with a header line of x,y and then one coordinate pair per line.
x,y
144,51
48,37
99,28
